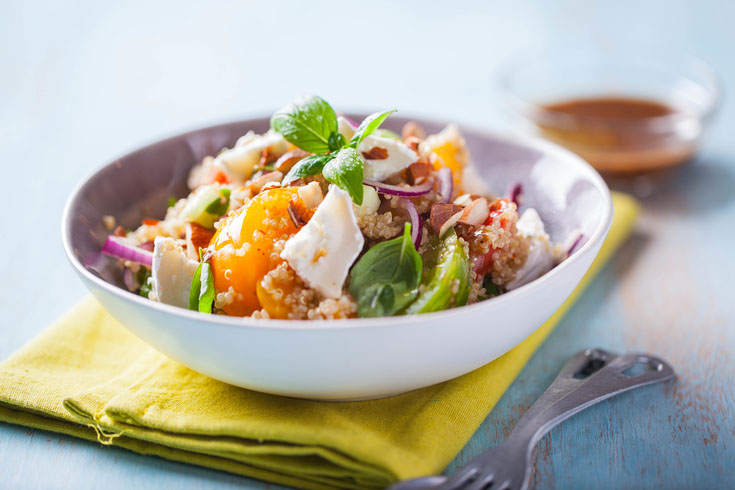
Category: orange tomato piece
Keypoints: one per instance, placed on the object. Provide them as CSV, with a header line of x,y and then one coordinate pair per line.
x,y
275,307
242,247
449,156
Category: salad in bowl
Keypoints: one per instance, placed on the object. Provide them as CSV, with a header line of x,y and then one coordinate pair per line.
x,y
324,218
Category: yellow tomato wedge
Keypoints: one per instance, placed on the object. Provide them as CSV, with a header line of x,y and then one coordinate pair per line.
x,y
242,247
451,157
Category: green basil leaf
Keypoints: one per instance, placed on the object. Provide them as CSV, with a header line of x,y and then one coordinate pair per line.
x,y
385,280
446,277
336,141
196,286
172,201
220,205
206,288
145,279
306,167
307,123
346,172
491,290
367,126
201,293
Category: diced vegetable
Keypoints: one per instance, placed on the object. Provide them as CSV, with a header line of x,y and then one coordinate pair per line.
x,y
118,247
206,205
446,276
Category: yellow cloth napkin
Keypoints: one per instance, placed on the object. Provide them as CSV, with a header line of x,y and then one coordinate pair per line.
x,y
88,377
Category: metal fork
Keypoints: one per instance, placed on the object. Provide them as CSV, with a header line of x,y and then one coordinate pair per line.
x,y
587,378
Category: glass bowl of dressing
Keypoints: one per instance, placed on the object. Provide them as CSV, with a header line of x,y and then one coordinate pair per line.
x,y
625,111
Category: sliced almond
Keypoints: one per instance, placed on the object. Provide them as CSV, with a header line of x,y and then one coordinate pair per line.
x,y
257,184
412,129
197,237
465,199
269,186
453,220
299,213
311,194
476,213
441,212
413,143
375,153
289,159
418,172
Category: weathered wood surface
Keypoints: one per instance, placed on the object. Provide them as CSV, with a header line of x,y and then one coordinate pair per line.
x,y
85,81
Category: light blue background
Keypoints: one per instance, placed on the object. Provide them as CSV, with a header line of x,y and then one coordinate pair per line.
x,y
84,82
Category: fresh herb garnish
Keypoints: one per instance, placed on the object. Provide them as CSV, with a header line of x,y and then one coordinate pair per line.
x,y
491,289
447,276
336,141
220,205
308,122
386,279
306,167
311,124
145,279
171,201
201,294
346,171
367,126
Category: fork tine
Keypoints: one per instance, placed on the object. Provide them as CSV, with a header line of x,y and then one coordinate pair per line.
x,y
482,481
461,479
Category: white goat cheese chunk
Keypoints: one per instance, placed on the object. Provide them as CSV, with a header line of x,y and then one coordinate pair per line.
x,y
172,272
245,155
323,250
345,128
540,254
399,157
530,224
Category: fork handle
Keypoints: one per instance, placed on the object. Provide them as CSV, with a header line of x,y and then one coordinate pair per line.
x,y
572,392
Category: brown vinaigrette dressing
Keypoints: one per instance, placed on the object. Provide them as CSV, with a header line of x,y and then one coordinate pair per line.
x,y
617,134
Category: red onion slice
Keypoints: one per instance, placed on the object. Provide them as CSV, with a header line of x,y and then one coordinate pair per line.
x,y
515,193
574,242
115,247
415,220
446,184
396,190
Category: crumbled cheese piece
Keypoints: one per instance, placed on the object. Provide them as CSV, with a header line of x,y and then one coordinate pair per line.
x,y
400,156
345,128
323,250
311,194
530,224
245,155
172,272
540,257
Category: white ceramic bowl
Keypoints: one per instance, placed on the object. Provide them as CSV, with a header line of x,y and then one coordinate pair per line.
x,y
339,359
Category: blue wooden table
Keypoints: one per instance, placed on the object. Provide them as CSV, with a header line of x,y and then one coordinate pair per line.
x,y
83,82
